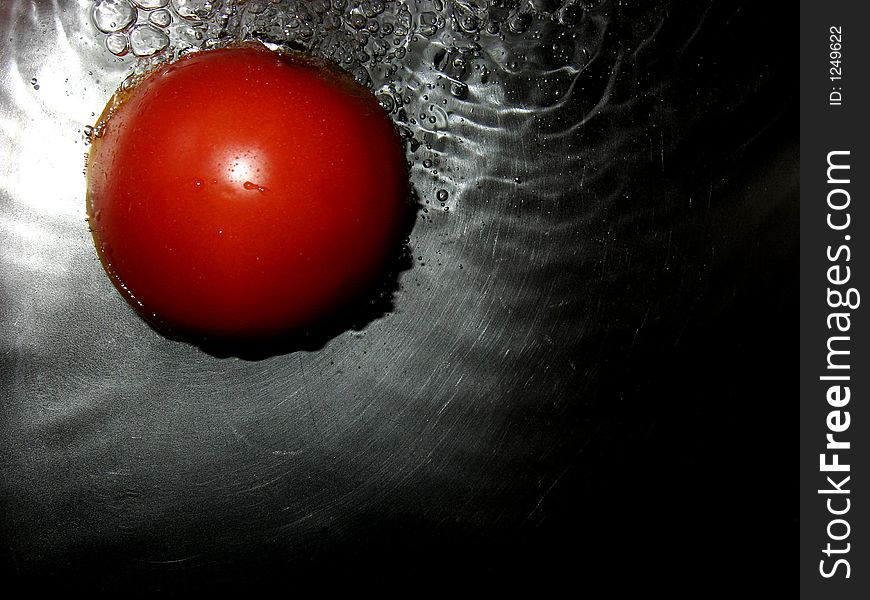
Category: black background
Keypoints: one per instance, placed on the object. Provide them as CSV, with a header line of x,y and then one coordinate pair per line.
x,y
690,477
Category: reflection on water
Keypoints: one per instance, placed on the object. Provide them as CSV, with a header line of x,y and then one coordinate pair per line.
x,y
466,81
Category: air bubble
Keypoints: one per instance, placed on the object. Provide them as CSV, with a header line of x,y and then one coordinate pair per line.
x,y
117,44
113,15
372,9
160,18
145,40
520,23
386,101
470,24
442,195
459,90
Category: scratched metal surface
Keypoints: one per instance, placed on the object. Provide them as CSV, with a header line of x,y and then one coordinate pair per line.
x,y
567,383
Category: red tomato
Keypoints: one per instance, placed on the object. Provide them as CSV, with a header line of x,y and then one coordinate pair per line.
x,y
240,194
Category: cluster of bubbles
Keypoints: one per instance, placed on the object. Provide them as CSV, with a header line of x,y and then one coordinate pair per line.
x,y
429,62
137,26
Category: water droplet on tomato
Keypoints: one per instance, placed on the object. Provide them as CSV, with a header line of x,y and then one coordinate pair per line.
x,y
249,185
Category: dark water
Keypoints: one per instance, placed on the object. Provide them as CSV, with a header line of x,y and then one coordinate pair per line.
x,y
586,367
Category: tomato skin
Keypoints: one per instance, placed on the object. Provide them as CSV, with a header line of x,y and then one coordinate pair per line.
x,y
243,194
